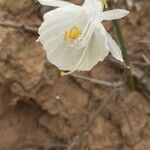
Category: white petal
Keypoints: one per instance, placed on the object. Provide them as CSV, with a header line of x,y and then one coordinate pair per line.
x,y
55,3
113,14
59,12
93,7
97,49
114,48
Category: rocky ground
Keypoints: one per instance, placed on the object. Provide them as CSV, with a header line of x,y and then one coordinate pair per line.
x,y
39,110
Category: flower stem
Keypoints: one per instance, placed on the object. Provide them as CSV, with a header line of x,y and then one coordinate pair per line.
x,y
124,53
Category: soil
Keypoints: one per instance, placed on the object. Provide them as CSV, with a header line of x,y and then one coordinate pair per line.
x,y
40,110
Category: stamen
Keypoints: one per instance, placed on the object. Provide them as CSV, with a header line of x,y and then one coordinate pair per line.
x,y
75,38
72,33
105,4
65,35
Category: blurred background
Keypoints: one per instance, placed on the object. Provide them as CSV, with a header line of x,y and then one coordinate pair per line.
x,y
40,110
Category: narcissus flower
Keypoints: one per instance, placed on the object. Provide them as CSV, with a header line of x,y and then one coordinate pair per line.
x,y
74,37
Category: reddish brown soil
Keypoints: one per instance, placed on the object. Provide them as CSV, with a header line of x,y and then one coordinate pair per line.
x,y
39,110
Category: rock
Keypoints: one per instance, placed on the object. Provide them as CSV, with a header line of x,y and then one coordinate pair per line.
x,y
17,6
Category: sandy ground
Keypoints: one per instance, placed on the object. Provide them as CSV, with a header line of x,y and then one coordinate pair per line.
x,y
39,110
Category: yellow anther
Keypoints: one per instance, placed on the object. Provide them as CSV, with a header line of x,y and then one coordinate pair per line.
x,y
105,4
62,73
72,34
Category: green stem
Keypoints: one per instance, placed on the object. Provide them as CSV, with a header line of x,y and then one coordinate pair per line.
x,y
124,53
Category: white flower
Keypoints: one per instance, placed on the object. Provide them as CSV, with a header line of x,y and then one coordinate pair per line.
x,y
74,37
